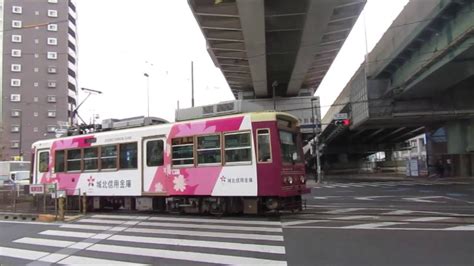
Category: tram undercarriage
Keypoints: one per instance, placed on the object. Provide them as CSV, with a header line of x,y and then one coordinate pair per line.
x,y
199,205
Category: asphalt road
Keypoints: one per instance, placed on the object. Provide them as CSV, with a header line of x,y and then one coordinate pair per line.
x,y
345,223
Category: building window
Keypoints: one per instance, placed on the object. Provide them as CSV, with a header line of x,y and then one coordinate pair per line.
x,y
35,129
154,153
51,129
15,128
52,55
51,83
36,69
37,13
52,70
51,98
16,38
15,144
17,9
182,151
237,147
37,41
15,67
35,99
51,113
35,114
52,27
16,53
15,97
53,1
209,149
15,113
37,55
52,13
35,84
15,82
52,41
16,24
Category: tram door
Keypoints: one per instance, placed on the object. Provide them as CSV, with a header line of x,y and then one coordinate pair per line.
x,y
153,159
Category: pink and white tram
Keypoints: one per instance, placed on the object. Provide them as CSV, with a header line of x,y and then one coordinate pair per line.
x,y
231,164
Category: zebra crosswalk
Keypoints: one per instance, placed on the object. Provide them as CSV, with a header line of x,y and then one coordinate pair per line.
x,y
388,184
127,239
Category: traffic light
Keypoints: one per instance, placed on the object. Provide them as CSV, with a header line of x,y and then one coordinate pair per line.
x,y
343,122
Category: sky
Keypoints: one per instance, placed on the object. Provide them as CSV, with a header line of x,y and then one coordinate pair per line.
x,y
119,41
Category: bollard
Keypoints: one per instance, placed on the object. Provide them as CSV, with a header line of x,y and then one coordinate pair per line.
x,y
84,203
61,209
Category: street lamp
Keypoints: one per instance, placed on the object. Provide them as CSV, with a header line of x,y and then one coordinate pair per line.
x,y
147,93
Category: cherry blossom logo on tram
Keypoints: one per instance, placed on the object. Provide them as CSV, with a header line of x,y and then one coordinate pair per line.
x,y
179,183
159,187
91,181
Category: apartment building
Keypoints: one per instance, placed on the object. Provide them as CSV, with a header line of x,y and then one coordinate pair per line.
x,y
38,72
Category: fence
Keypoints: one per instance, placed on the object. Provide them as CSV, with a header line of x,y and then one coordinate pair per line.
x,y
16,198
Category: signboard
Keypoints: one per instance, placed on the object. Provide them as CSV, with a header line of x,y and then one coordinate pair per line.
x,y
341,116
59,194
51,188
36,189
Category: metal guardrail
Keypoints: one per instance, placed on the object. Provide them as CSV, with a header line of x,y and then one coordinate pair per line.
x,y
16,198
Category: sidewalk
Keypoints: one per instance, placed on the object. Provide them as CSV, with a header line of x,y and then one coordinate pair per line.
x,y
14,216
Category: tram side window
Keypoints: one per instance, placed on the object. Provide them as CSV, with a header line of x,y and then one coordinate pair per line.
x,y
108,157
154,153
209,149
43,162
182,151
237,147
263,145
59,162
74,160
128,155
91,158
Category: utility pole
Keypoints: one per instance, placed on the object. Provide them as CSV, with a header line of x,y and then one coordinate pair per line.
x,y
315,145
274,85
192,84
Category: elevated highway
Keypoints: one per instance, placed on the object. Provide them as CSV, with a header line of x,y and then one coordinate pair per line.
x,y
418,79
269,48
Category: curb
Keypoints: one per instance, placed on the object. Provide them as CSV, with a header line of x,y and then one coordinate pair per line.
x,y
48,218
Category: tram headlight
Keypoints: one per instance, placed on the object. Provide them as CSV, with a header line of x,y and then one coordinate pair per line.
x,y
290,180
302,179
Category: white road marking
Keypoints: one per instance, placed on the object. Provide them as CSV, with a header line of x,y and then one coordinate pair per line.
x,y
81,245
66,233
183,255
206,234
101,236
214,221
52,258
398,212
371,197
120,217
87,227
355,217
344,210
461,228
199,243
427,219
213,227
99,221
44,242
78,260
371,225
301,222
21,253
421,199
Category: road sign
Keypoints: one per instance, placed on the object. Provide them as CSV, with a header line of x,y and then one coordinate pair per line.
x,y
341,116
36,189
